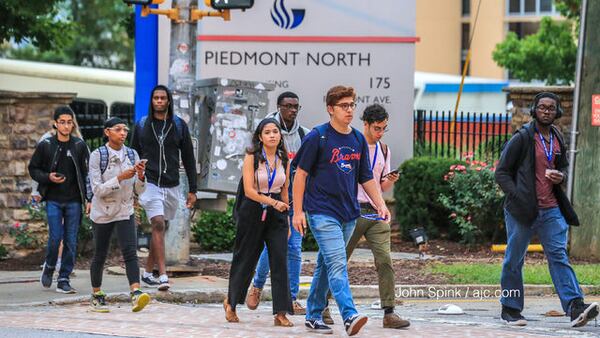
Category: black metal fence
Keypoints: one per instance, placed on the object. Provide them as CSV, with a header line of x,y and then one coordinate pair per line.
x,y
480,136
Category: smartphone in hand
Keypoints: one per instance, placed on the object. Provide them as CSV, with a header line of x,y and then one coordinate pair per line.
x,y
396,171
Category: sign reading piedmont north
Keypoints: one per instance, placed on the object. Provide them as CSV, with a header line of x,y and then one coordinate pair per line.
x,y
309,46
596,110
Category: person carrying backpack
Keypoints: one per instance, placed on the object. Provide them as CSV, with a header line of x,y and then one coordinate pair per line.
x,y
116,174
288,107
531,170
335,159
261,217
163,138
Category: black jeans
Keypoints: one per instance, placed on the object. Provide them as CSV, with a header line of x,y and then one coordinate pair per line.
x,y
127,237
251,236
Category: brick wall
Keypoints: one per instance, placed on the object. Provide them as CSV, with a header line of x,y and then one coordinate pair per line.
x,y
24,118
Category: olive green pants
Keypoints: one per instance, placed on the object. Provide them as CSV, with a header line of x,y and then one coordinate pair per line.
x,y
377,234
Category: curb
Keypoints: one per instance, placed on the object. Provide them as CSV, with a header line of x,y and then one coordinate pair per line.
x,y
403,292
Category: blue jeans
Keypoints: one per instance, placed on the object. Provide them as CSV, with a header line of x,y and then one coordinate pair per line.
x,y
552,230
63,225
294,264
331,271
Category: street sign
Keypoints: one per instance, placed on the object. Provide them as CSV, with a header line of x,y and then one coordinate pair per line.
x,y
309,46
596,110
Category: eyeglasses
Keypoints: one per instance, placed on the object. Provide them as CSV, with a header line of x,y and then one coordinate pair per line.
x,y
542,107
63,123
380,129
346,106
291,106
119,129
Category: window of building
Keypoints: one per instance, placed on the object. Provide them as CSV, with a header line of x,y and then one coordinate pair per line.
x,y
464,45
546,6
514,6
523,29
466,7
530,7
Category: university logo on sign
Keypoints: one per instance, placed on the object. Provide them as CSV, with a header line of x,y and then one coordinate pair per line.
x,y
284,18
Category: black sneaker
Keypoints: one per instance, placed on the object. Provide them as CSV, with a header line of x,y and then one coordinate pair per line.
x,y
65,287
317,326
98,302
512,316
581,313
139,300
150,281
46,277
355,323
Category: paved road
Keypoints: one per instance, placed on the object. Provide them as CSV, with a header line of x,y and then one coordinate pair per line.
x,y
207,320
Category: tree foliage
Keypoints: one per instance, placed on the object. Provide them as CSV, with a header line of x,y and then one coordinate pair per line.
x,y
39,23
548,55
102,37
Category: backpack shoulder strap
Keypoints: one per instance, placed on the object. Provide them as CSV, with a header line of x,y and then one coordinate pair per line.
x,y
178,127
301,132
131,155
384,150
103,158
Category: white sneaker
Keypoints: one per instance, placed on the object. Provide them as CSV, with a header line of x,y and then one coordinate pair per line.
x,y
164,283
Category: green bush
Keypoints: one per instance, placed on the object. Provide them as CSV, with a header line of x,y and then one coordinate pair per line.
x,y
432,149
3,252
474,201
215,231
416,194
308,241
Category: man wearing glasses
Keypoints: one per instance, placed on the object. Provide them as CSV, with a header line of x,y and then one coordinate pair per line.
x,y
376,231
288,106
531,169
336,158
60,166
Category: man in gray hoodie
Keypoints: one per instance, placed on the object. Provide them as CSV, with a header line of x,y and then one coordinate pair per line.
x,y
288,106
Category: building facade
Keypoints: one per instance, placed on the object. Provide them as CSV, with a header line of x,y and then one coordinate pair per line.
x,y
445,26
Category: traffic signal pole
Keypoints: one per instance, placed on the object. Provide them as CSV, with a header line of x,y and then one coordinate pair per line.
x,y
182,71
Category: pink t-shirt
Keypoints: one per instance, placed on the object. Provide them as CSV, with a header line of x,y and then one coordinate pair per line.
x,y
382,167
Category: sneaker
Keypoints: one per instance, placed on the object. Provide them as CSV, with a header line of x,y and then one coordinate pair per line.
x,y
139,300
46,277
253,298
65,287
512,316
98,302
581,313
326,315
150,281
297,308
355,323
163,283
317,326
394,321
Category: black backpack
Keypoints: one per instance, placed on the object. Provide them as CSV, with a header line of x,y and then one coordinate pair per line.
x,y
240,195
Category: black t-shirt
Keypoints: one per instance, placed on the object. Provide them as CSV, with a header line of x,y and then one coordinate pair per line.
x,y
68,191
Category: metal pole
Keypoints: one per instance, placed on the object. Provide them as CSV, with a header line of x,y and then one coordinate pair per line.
x,y
181,80
573,136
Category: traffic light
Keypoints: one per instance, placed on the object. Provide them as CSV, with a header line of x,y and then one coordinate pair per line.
x,y
231,4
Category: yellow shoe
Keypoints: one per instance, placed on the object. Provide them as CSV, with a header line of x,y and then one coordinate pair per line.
x,y
139,300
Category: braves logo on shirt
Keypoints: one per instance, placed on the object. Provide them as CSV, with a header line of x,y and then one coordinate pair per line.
x,y
343,158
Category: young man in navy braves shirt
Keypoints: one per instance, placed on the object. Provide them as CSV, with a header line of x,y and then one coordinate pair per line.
x,y
335,157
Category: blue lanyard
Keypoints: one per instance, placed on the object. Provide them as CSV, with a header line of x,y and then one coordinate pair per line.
x,y
547,152
270,176
375,156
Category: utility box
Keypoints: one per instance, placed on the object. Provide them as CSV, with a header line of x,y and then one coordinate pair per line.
x,y
226,113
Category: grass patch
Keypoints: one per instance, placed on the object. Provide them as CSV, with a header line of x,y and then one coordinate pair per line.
x,y
479,273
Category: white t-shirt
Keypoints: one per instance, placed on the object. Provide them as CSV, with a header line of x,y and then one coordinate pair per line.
x,y
382,167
